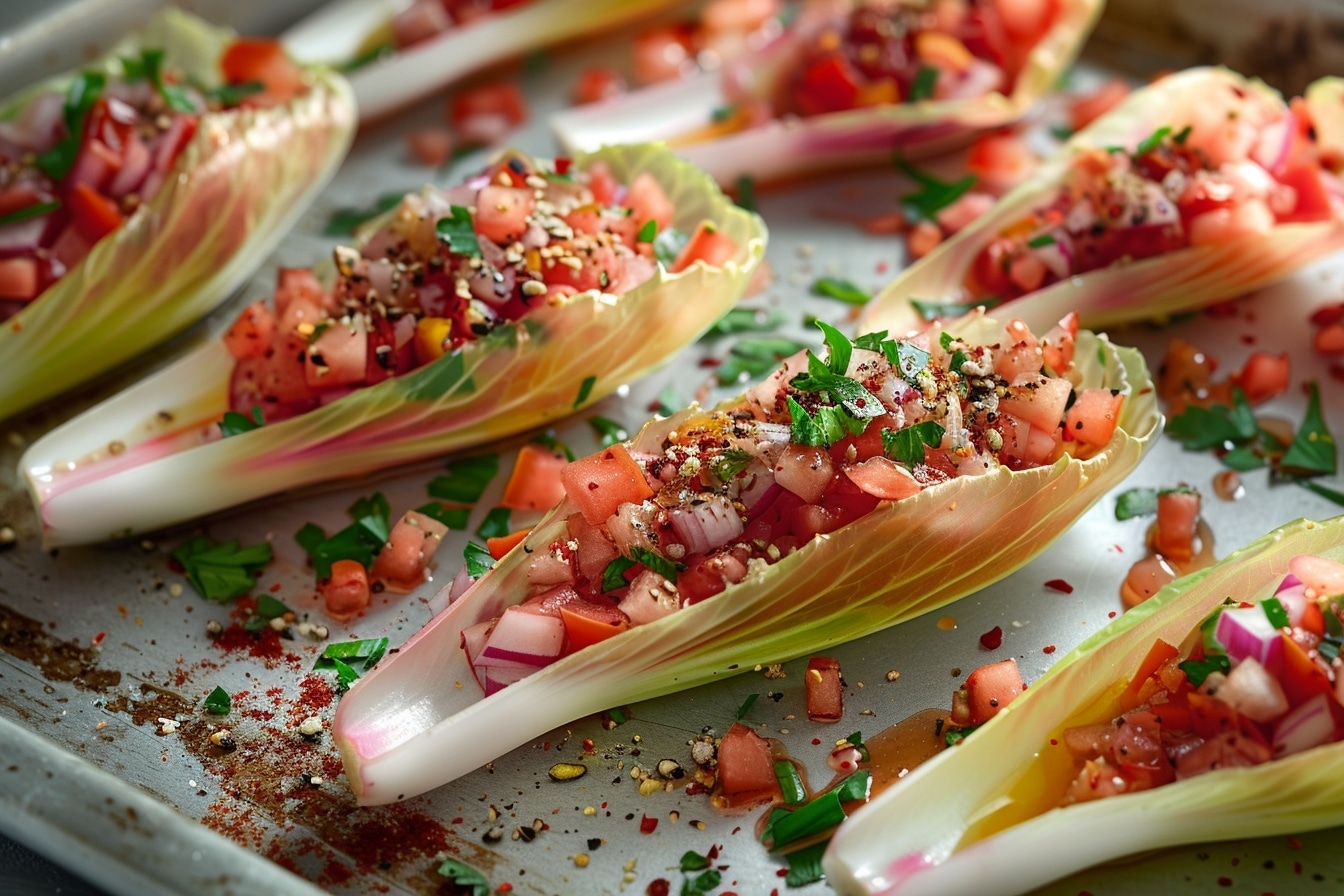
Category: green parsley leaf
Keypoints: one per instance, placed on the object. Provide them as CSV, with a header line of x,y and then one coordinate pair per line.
x,y
745,320
909,360
1182,136
1041,241
347,220
1275,613
1135,502
954,736
230,95
838,347
218,702
750,358
906,446
693,861
478,559
931,310
360,541
746,193
235,423
922,87
35,210
374,513
668,403
933,195
495,524
840,290
454,518
613,577
721,114
361,656
1312,452
746,706
1061,132
656,562
805,865
1198,670
729,463
1244,458
610,431
1199,429
1152,141
458,231
368,57
466,479
221,572
667,245
267,608
1328,493
465,877
702,884
80,96
585,390
647,232
802,428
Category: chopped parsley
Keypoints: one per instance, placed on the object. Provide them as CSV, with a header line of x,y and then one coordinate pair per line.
x,y
478,559
466,479
454,518
585,390
906,446
932,310
746,706
1152,141
805,865
922,87
609,431
458,231
746,193
495,524
933,195
1040,242
229,95
656,562
35,210
234,423
80,96
360,541
267,608
1312,452
745,320
613,577
221,572
840,290
218,702
148,66
750,358
647,232
729,463
346,221
351,659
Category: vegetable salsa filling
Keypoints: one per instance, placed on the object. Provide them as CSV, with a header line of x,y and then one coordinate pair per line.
x,y
446,267
816,446
1256,682
1205,180
74,166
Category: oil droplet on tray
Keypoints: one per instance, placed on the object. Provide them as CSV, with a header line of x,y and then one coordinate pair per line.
x,y
947,623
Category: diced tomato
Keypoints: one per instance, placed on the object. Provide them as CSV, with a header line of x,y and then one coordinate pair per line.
x,y
1313,197
597,82
1057,344
1329,340
345,593
18,278
1026,21
500,545
1159,654
1094,416
661,54
1223,225
1041,403
1263,377
883,478
250,335
338,356
264,60
535,482
587,623
707,244
501,212
402,563
603,183
746,769
502,98
992,687
1177,523
1088,107
648,201
1302,677
829,85
824,689
602,482
432,146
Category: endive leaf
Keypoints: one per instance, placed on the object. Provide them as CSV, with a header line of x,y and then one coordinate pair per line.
x,y
1135,290
519,377
243,180
682,112
410,727
981,818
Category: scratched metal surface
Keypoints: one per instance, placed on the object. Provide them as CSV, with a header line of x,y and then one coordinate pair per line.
x,y
256,814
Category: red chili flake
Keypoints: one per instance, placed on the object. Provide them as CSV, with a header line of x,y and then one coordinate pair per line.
x,y
1224,881
1049,648
588,746
882,266
275,588
505,887
1117,549
562,165
659,886
1330,314
1111,615
1059,585
1248,339
695,788
992,639
98,639
781,872
816,741
647,825
1054,742
710,362
1294,843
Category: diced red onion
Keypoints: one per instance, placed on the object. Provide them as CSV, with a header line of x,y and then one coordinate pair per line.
x,y
1276,139
134,167
1252,691
1309,725
707,525
1247,632
474,638
522,636
545,568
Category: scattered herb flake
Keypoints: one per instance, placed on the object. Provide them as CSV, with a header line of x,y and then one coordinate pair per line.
x,y
745,320
1199,429
608,430
458,231
80,96
656,562
219,702
495,524
746,193
478,559
466,878
647,232
585,389
840,290
932,310
454,518
1135,502
234,423
933,195
906,446
1040,242
746,706
805,865
1152,141
221,572
613,577
35,210
1312,452
346,221
922,87
466,480
750,358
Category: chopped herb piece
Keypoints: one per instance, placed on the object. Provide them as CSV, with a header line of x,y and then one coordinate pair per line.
x,y
495,524
557,447
360,541
1135,502
954,736
1040,242
610,431
922,87
1182,136
840,290
790,782
149,67
218,702
1244,458
221,572
267,608
454,518
1061,131
668,403
347,220
931,310
702,884
466,479
746,193
229,95
802,428
731,462
933,194
1152,141
667,245
373,513
613,577
1312,452
35,210
818,816
855,740
805,865
721,114
585,389
752,357
1198,670
235,423
1199,429
80,97
656,562
945,340
1274,611
458,231
465,877
746,706
368,57
906,446
745,320
909,359
693,861
647,232
478,559
1328,493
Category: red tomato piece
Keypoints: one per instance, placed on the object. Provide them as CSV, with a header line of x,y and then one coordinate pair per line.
x,y
1177,524
260,59
500,545
501,212
402,563
250,335
746,768
1263,377
596,83
432,147
535,482
648,201
1094,416
92,213
825,691
707,244
503,98
602,482
831,84
661,54
18,278
588,623
345,592
992,687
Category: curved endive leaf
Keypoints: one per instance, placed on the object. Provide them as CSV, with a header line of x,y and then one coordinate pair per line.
x,y
982,818
340,32
1135,290
241,182
683,112
419,719
91,478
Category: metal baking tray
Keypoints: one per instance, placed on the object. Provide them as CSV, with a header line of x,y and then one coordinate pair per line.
x,y
99,644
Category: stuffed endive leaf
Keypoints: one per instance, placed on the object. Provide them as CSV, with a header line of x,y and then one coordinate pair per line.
x,y
152,455
1198,188
239,182
753,569
780,113
984,817
363,37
